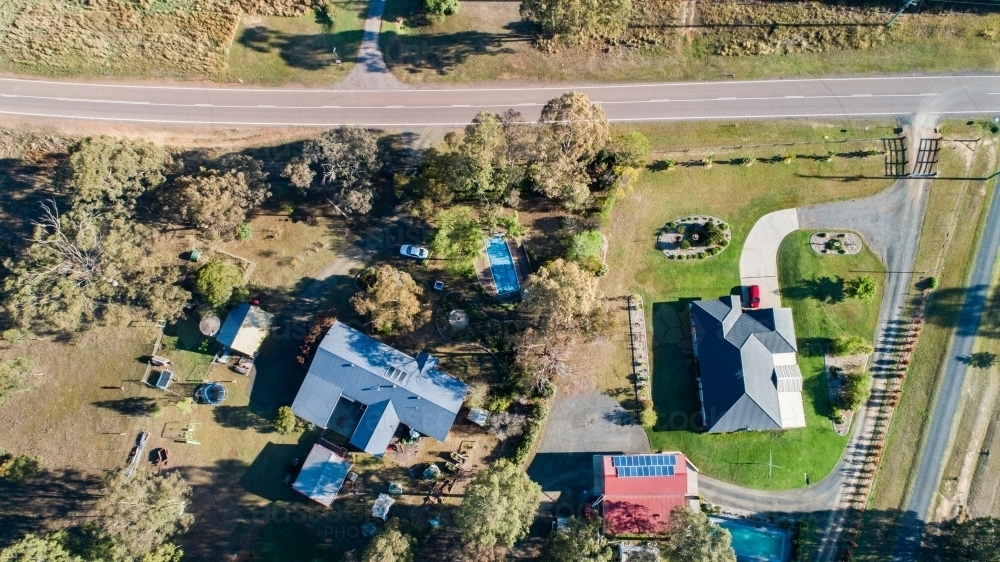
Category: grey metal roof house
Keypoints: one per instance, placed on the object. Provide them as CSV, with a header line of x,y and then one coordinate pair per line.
x,y
749,378
393,387
245,328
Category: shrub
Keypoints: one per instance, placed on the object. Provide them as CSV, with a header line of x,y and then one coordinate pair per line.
x,y
285,422
499,404
215,282
156,411
850,345
185,405
855,390
669,164
441,8
648,418
702,255
585,249
932,283
244,231
478,393
19,468
716,235
862,288
685,244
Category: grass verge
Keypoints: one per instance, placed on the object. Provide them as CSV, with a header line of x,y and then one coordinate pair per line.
x,y
273,50
949,238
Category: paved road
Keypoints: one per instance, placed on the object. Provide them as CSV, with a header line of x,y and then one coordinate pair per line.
x,y
932,456
887,96
890,224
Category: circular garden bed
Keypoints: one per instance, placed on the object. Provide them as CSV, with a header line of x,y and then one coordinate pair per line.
x,y
835,243
694,237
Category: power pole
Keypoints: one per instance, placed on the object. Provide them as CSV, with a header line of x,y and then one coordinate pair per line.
x,y
900,12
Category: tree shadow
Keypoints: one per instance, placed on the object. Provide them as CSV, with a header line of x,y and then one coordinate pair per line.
x,y
307,52
824,289
241,417
51,500
441,53
620,417
133,406
979,360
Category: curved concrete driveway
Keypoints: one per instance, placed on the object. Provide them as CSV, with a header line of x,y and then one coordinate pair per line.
x,y
759,260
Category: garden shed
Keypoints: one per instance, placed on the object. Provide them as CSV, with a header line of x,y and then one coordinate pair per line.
x,y
322,475
245,329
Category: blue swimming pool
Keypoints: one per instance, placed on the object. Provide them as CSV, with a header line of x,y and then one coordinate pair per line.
x,y
502,265
753,544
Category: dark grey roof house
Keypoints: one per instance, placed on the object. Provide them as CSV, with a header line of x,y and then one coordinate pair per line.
x,y
391,387
749,377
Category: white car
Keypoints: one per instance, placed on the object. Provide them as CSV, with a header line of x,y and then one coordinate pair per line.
x,y
414,252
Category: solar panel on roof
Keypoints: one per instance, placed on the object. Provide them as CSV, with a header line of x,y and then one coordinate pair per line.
x,y
632,466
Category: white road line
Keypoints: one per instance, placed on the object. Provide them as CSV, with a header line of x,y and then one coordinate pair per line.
x,y
485,106
465,123
566,87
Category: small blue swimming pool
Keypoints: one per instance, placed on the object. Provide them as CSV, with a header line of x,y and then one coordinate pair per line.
x,y
502,265
754,544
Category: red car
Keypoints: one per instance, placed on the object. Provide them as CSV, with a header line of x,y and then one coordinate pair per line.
x,y
754,296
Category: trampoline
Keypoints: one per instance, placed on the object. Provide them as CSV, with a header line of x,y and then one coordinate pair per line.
x,y
212,394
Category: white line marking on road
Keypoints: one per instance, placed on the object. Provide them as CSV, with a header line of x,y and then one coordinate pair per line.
x,y
567,87
456,105
267,106
719,99
794,96
395,106
464,123
330,107
861,95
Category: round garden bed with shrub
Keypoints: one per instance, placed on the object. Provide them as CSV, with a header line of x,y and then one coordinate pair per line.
x,y
835,243
694,237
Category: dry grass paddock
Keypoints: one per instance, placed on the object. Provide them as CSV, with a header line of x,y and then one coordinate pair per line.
x,y
708,39
173,38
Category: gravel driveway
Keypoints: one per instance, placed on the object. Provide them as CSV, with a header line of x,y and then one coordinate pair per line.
x,y
579,426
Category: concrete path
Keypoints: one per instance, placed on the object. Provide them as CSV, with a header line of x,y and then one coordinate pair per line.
x,y
759,260
370,72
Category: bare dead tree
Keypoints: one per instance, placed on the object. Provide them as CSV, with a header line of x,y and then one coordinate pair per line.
x,y
82,265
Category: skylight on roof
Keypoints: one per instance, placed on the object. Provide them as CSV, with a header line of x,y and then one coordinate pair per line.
x,y
395,374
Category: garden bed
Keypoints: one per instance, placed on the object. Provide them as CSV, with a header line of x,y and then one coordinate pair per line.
x,y
694,237
836,243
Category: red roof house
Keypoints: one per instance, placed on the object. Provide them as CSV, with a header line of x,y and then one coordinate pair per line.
x,y
640,490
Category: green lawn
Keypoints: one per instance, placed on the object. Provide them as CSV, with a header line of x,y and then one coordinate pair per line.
x,y
739,195
813,286
278,50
